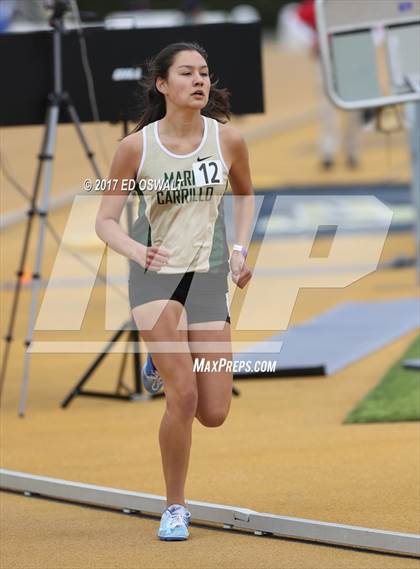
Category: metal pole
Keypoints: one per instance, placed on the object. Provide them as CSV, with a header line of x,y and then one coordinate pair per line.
x,y
31,213
415,183
53,113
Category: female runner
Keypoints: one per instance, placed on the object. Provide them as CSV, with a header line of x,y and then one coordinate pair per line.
x,y
182,156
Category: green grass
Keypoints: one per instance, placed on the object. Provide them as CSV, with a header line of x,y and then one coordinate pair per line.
x,y
395,398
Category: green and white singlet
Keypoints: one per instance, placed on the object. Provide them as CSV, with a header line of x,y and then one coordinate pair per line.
x,y
181,202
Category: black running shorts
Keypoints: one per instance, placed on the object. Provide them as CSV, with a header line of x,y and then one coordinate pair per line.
x,y
204,295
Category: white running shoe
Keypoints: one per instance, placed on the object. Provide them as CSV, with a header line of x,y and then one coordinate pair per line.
x,y
174,523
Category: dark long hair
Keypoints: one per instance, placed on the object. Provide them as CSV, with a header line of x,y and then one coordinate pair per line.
x,y
153,102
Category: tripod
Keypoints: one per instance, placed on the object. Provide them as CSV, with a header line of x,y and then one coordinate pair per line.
x,y
57,100
133,337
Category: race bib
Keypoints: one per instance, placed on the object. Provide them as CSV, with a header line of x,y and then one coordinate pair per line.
x,y
207,172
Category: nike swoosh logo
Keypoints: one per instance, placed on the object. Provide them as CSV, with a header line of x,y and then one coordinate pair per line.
x,y
201,159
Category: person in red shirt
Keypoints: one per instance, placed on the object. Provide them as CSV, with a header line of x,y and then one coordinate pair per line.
x,y
306,13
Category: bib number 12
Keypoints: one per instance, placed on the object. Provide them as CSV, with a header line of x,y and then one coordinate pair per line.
x,y
207,172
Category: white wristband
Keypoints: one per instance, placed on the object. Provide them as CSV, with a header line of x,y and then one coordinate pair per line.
x,y
241,249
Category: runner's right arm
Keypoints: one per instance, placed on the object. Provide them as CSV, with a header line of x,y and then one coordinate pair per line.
x,y
124,167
